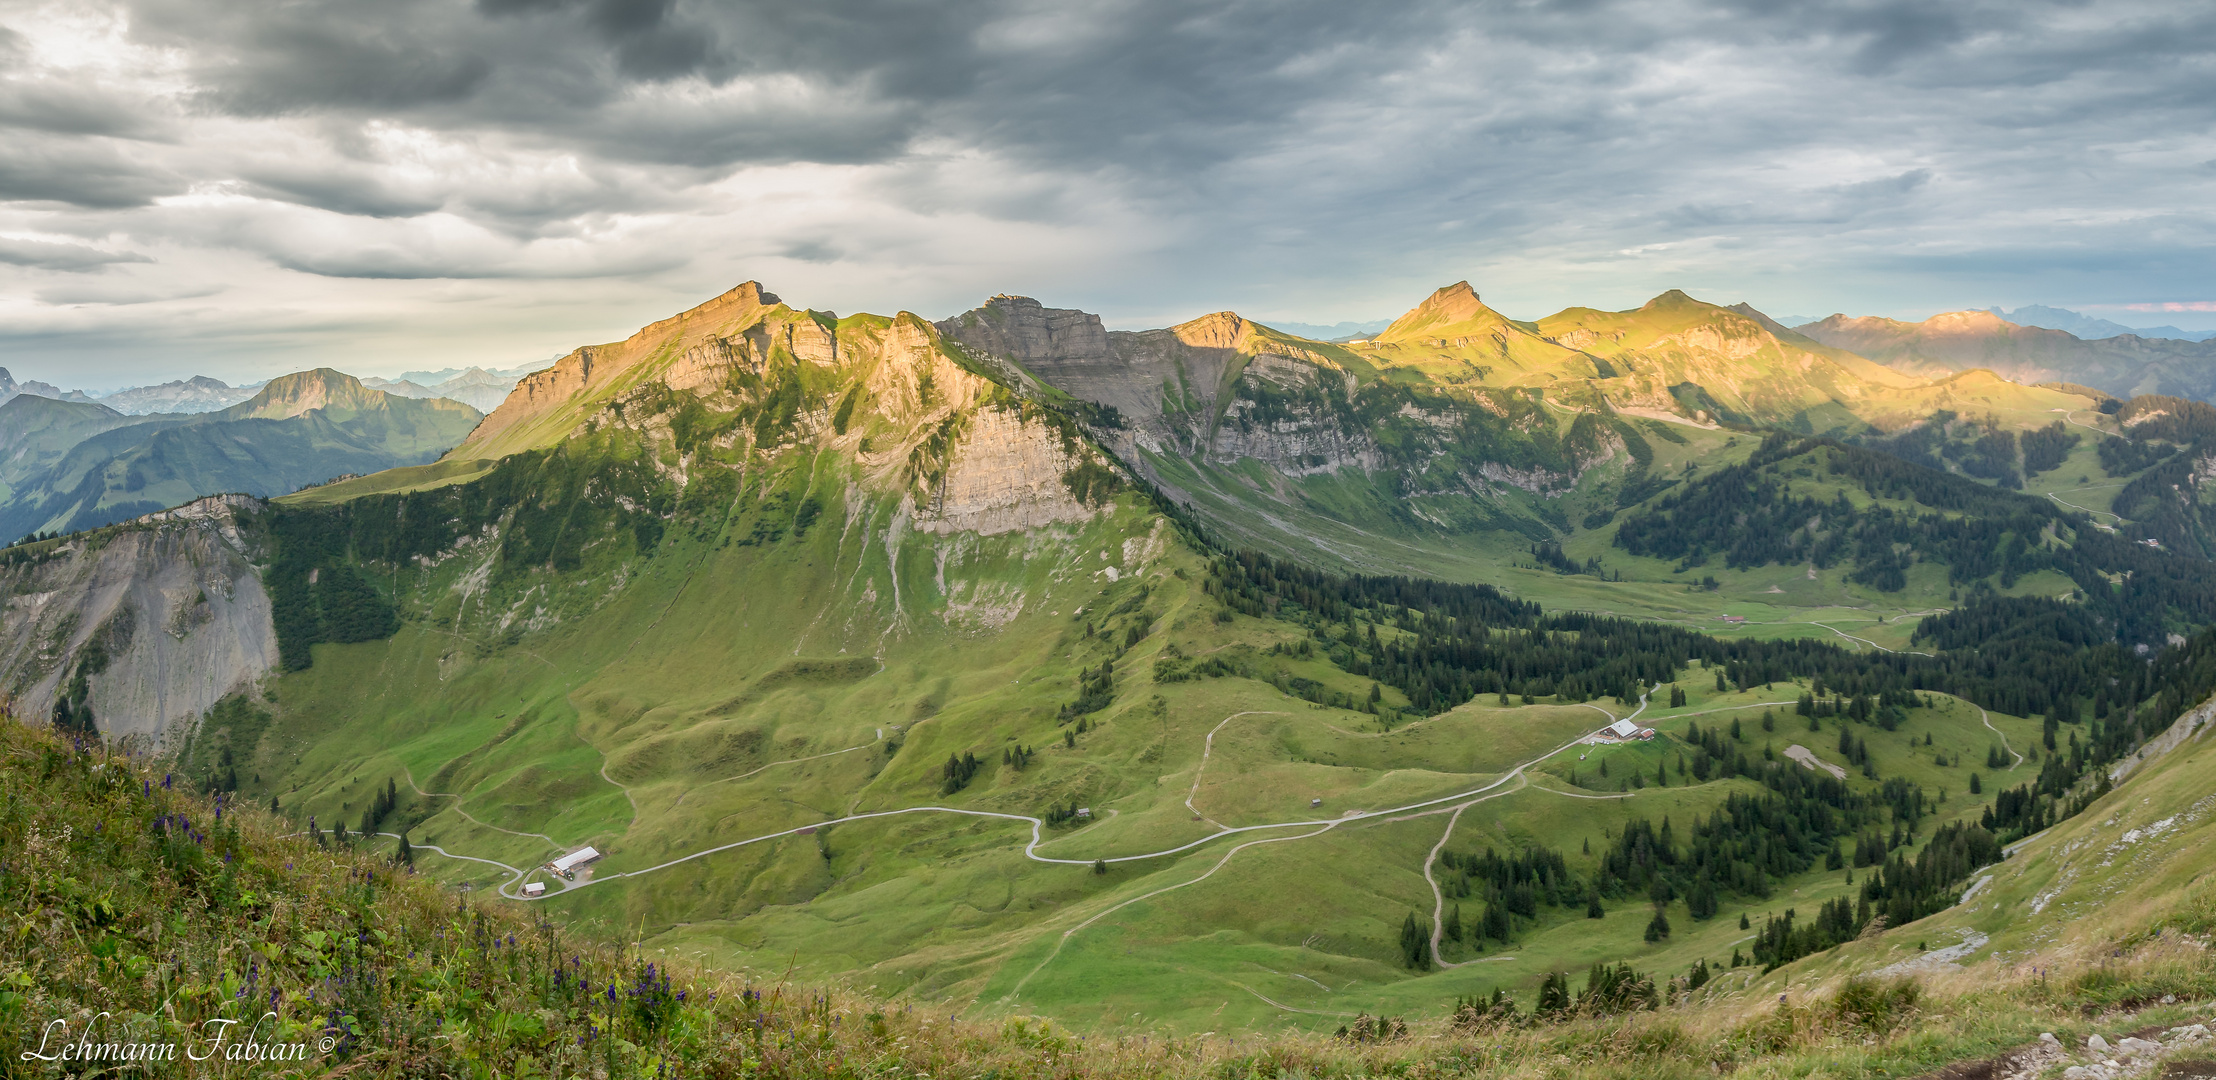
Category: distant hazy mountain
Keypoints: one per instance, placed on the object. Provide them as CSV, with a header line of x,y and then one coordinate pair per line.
x,y
199,394
2089,328
1334,332
300,429
9,388
433,378
36,431
1964,340
475,387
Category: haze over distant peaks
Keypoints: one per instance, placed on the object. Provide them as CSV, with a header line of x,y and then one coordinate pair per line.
x,y
194,395
1962,340
1338,331
2090,328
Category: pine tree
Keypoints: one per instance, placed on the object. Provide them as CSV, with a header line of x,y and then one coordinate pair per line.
x,y
1100,866
1743,925
1721,686
1659,927
1554,995
1592,905
405,854
1415,943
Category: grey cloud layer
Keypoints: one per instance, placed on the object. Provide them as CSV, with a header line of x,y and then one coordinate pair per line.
x,y
1149,158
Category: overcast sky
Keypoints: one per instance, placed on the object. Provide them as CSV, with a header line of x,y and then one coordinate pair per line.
x,y
240,187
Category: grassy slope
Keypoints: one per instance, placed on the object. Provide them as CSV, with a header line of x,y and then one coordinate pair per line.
x,y
691,683
1353,521
117,920
721,691
1342,521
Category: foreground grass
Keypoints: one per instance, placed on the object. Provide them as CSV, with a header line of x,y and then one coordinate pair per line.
x,y
168,913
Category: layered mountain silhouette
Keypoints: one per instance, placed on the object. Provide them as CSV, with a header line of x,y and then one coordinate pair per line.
x,y
75,465
2122,365
198,394
2090,328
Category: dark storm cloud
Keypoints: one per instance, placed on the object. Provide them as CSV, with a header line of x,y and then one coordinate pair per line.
x,y
74,110
339,191
68,258
93,174
1244,151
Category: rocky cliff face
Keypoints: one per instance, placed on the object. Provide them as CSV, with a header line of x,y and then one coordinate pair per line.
x,y
160,617
1222,389
1007,476
745,378
537,412
1194,389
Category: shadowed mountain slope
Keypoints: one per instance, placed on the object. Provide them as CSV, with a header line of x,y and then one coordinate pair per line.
x,y
300,429
2124,365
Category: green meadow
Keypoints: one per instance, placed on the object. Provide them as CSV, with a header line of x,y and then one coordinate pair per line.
x,y
731,691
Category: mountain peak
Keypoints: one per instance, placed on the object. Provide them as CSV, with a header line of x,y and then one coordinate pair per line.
x,y
1028,331
1672,298
1456,305
291,395
1215,330
1776,328
1973,322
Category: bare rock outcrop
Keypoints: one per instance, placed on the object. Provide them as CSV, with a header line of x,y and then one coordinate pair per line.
x,y
1006,476
164,615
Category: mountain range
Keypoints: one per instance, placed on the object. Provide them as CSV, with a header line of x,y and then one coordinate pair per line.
x,y
2088,327
1964,340
72,465
1208,678
479,388
475,387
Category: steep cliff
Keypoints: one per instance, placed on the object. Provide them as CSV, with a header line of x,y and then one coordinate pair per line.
x,y
148,624
1278,440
